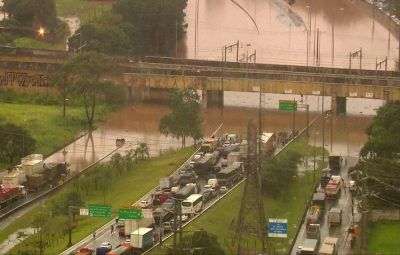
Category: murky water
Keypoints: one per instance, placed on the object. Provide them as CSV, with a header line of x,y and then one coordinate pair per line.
x,y
279,33
139,123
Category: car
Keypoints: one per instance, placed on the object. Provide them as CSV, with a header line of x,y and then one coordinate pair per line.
x,y
185,218
168,226
106,245
144,203
223,189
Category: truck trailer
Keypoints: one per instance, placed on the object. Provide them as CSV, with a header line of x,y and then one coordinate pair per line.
x,y
142,239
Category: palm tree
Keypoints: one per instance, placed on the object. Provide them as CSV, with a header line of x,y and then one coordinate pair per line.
x,y
142,151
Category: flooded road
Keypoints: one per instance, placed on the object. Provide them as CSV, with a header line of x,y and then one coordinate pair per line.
x,y
280,34
139,123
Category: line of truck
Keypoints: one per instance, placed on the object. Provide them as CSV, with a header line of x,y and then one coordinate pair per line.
x,y
329,189
29,177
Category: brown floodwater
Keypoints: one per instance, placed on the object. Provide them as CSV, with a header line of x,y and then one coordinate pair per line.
x,y
279,33
139,123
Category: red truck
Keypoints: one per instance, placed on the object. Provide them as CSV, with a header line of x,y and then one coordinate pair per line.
x,y
332,189
85,251
9,193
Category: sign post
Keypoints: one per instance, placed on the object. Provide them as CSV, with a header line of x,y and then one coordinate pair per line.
x,y
103,211
277,228
129,214
288,105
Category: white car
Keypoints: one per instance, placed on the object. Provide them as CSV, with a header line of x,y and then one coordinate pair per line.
x,y
144,203
106,245
185,218
223,189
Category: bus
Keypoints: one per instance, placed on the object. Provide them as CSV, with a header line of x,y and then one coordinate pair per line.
x,y
193,204
229,175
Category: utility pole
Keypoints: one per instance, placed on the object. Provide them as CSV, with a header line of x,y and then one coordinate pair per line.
x,y
323,119
252,198
225,48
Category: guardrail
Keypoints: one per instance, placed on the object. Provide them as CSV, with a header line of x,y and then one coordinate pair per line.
x,y
105,227
234,187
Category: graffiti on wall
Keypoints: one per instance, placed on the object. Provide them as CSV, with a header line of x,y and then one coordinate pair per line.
x,y
22,79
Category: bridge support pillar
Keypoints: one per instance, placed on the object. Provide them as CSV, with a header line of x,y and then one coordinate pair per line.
x,y
149,95
338,104
212,98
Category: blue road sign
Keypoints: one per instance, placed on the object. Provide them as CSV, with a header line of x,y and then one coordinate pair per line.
x,y
277,228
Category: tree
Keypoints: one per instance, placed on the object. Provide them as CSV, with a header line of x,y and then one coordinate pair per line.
x,y
279,171
142,151
61,81
384,133
185,118
86,72
15,142
117,161
33,13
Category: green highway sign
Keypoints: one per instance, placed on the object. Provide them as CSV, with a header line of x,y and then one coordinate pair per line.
x,y
287,105
129,214
100,211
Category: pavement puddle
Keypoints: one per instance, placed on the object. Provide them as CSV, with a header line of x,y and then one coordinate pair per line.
x,y
15,239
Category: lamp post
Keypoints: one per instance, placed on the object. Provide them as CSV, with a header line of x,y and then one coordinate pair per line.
x,y
315,138
225,48
308,30
71,208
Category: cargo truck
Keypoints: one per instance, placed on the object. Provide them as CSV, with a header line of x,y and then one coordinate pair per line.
x,y
206,164
329,246
332,189
313,214
10,193
15,177
335,216
309,247
142,240
32,164
132,225
335,163
166,183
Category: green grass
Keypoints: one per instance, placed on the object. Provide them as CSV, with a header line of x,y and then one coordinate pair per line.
x,y
46,124
290,206
126,189
81,9
26,42
383,237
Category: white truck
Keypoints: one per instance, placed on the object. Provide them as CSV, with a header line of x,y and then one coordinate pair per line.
x,y
309,247
329,246
166,183
133,225
32,165
142,239
16,177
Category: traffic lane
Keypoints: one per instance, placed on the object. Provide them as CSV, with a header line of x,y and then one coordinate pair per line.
x,y
343,202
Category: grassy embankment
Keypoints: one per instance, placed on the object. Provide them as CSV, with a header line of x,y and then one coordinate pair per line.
x,y
46,123
383,237
129,187
290,206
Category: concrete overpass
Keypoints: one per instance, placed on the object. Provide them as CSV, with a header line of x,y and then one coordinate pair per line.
x,y
150,77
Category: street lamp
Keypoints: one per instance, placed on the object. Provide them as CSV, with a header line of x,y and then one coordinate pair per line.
x,y
225,48
308,30
41,31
